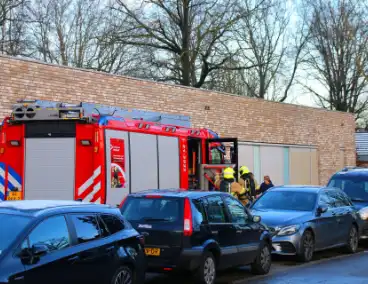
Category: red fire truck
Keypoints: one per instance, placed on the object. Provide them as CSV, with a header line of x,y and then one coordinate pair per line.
x,y
64,153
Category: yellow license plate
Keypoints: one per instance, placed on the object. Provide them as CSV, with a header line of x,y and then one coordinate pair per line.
x,y
14,195
152,251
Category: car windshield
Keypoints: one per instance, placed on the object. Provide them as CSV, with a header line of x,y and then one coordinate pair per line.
x,y
355,187
147,209
11,226
286,200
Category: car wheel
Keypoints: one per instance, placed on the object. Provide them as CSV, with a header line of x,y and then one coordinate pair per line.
x,y
207,271
353,241
123,275
262,263
307,247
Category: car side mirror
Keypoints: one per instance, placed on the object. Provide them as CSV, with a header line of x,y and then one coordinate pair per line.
x,y
25,255
322,209
256,219
39,250
248,205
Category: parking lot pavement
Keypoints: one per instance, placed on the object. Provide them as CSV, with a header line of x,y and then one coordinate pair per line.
x,y
341,270
283,268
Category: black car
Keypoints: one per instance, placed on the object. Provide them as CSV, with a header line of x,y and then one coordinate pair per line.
x,y
305,219
354,182
64,242
198,231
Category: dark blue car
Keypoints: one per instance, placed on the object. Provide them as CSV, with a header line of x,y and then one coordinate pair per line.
x,y
354,182
70,242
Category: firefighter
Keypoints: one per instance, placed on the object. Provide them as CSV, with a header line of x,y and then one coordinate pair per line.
x,y
248,182
228,184
228,180
217,180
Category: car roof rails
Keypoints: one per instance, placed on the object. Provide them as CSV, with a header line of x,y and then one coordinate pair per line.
x,y
349,168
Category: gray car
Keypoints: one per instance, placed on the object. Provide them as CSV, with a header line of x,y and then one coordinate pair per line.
x,y
305,219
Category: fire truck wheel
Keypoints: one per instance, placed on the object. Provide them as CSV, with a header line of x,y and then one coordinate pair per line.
x,y
123,275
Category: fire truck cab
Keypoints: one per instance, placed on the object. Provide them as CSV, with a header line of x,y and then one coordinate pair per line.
x,y
65,152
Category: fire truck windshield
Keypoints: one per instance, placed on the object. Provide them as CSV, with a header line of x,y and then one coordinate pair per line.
x,y
11,227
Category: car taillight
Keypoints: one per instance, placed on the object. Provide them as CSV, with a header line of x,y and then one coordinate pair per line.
x,y
188,226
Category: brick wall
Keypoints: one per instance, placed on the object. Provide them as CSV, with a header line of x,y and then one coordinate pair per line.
x,y
248,119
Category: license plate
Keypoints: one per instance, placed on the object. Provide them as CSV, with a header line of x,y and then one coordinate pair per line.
x,y
14,195
152,251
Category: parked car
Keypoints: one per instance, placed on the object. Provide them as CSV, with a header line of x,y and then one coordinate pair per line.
x,y
198,231
305,219
63,242
354,182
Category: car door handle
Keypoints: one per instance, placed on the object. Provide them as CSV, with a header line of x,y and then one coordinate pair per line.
x,y
19,278
239,231
73,258
244,226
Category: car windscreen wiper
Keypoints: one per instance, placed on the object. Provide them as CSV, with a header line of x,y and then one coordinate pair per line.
x,y
358,199
147,219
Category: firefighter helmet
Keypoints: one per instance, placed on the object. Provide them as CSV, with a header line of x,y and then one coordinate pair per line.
x,y
229,173
243,170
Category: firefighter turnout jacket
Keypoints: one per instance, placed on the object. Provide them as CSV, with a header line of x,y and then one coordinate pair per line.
x,y
249,183
234,188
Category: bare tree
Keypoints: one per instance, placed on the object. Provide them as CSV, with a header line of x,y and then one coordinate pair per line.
x,y
72,33
338,49
228,80
187,39
271,43
11,26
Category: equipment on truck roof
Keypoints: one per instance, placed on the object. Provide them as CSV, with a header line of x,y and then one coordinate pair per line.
x,y
96,110
31,112
88,152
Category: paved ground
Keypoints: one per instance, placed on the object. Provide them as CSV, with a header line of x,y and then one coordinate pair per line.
x,y
286,271
345,270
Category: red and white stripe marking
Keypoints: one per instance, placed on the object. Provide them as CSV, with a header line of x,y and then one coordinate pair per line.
x,y
91,188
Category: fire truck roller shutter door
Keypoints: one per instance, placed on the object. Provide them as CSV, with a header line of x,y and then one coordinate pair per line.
x,y
117,166
143,162
168,159
49,168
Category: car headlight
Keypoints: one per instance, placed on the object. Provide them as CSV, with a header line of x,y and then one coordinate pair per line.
x,y
363,213
288,230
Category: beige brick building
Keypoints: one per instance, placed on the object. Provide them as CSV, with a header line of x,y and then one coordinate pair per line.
x,y
331,134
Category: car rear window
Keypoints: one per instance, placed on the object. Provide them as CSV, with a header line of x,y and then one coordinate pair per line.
x,y
155,209
112,223
355,187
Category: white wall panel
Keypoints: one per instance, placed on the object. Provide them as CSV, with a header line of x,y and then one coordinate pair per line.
x,y
272,163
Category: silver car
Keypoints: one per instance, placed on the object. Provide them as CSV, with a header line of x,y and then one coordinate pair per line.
x,y
305,219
